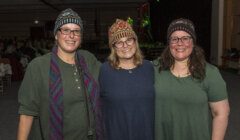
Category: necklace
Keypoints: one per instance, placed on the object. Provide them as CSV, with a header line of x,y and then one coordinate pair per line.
x,y
129,70
180,74
129,67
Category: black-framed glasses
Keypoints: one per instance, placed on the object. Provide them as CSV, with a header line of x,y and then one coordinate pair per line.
x,y
68,31
184,39
129,42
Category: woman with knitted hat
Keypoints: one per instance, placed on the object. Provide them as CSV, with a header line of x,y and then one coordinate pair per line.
x,y
191,97
59,95
127,87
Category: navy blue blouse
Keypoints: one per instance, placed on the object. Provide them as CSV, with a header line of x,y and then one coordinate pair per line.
x,y
128,102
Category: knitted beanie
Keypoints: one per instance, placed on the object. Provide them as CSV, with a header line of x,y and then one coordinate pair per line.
x,y
120,29
183,25
65,17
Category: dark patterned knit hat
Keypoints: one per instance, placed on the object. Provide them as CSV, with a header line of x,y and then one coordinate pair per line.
x,y
183,25
67,16
120,29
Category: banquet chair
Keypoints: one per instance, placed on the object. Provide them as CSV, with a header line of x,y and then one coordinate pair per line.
x,y
7,78
1,86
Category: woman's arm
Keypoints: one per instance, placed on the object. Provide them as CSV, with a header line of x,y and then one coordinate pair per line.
x,y
24,127
220,111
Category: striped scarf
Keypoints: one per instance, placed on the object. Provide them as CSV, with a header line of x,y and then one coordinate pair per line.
x,y
56,97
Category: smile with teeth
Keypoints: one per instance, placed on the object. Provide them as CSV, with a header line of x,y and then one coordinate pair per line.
x,y
70,42
127,50
180,49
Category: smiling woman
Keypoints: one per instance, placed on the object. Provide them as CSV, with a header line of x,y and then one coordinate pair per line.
x,y
181,45
126,87
61,101
187,89
68,41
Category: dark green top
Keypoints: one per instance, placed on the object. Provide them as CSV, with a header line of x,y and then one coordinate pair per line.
x,y
182,104
34,97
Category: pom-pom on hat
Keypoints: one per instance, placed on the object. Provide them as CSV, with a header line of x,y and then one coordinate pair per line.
x,y
183,25
65,17
120,29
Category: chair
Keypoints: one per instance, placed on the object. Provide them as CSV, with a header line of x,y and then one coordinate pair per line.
x,y
1,86
7,78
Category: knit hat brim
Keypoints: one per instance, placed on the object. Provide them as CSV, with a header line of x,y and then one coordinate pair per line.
x,y
182,25
65,17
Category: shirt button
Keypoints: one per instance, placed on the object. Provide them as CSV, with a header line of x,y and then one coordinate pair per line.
x,y
78,87
76,80
75,73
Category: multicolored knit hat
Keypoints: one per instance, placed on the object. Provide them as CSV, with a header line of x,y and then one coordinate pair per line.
x,y
183,25
67,16
120,29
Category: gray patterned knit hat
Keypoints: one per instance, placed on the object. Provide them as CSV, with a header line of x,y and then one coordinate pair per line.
x,y
67,16
183,25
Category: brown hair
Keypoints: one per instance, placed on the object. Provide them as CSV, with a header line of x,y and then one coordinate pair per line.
x,y
196,62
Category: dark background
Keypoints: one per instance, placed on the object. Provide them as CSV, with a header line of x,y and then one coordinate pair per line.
x,y
199,11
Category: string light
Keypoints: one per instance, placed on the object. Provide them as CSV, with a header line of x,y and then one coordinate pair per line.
x,y
130,20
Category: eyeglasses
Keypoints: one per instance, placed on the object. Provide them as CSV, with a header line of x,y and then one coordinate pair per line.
x,y
184,39
68,32
120,44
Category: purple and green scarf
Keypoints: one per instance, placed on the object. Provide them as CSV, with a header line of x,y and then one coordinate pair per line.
x,y
56,97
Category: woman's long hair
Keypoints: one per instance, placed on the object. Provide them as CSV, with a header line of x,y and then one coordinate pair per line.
x,y
196,62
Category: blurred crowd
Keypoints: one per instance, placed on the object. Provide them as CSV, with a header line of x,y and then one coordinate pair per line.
x,y
21,51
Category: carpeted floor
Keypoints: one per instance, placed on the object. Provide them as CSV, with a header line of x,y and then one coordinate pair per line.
x,y
9,115
9,107
233,86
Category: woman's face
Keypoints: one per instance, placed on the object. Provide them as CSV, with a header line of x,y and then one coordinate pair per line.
x,y
181,45
125,48
68,38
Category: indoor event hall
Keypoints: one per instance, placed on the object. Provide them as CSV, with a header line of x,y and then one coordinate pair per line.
x,y
29,30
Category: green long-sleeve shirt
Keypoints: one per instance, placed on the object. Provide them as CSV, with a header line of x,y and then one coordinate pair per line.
x,y
34,97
